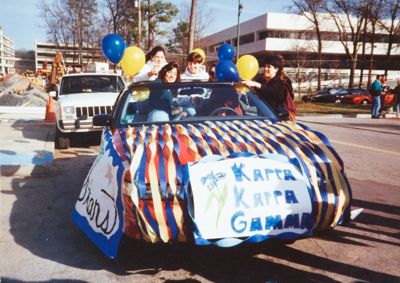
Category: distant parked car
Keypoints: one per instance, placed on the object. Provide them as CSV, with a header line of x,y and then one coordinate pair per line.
x,y
315,97
365,98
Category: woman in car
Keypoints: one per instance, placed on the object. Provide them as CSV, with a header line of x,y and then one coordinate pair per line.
x,y
273,86
195,70
155,61
160,100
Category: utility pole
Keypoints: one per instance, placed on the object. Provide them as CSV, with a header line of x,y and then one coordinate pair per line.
x,y
240,7
150,26
192,24
139,34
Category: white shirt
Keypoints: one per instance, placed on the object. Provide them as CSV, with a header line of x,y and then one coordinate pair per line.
x,y
143,73
201,75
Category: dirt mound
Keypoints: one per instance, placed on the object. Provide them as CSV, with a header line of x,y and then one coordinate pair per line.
x,y
18,90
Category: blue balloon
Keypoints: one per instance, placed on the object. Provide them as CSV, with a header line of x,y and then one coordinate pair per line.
x,y
226,52
113,47
226,71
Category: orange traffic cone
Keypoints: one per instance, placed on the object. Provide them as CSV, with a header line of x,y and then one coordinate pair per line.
x,y
50,111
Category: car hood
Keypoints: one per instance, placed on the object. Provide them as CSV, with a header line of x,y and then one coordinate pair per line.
x,y
88,99
139,183
166,150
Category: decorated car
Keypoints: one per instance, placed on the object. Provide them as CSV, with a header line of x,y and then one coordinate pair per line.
x,y
222,169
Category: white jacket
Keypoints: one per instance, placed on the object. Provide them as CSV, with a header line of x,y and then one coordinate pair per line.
x,y
201,75
143,73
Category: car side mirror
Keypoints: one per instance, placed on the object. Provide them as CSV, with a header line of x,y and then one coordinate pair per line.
x,y
103,120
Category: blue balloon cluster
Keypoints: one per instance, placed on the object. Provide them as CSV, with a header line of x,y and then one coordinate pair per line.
x,y
113,47
225,70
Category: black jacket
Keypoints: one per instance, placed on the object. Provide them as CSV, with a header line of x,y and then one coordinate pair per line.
x,y
273,92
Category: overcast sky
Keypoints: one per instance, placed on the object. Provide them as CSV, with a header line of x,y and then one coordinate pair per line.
x,y
20,21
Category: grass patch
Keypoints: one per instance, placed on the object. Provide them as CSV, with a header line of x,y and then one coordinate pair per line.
x,y
331,108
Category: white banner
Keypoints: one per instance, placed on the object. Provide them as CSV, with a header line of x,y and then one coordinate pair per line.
x,y
246,196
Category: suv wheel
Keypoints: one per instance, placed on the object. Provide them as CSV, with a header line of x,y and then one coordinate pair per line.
x,y
365,102
62,141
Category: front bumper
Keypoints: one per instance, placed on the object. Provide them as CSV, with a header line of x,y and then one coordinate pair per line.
x,y
77,126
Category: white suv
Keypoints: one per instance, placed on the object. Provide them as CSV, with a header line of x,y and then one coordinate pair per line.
x,y
82,96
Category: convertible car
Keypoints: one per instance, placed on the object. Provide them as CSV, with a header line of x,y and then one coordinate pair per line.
x,y
220,168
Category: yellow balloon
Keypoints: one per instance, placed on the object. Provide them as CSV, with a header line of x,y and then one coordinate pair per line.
x,y
201,52
247,66
132,61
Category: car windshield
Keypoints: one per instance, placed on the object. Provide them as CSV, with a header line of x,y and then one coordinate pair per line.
x,y
158,102
89,84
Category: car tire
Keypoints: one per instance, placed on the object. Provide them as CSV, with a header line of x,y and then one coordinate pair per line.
x,y
61,140
338,101
365,102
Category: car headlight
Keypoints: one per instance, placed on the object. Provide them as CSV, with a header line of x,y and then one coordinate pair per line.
x,y
68,112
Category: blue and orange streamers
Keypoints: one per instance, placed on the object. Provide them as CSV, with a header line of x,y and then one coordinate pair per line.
x,y
173,227
178,143
161,163
150,219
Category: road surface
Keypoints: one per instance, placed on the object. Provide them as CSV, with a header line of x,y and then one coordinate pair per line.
x,y
39,242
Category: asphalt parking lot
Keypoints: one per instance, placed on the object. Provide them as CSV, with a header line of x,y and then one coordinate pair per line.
x,y
43,244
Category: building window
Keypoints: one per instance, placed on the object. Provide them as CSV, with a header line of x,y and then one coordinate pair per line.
x,y
247,38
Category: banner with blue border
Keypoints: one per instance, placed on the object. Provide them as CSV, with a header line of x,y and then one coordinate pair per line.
x,y
249,196
99,209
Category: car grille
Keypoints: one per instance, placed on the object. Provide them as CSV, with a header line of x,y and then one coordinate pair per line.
x,y
85,112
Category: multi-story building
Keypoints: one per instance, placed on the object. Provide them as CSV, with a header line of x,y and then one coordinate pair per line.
x,y
294,37
73,57
7,54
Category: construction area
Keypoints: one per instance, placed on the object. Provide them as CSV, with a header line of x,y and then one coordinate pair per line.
x,y
19,90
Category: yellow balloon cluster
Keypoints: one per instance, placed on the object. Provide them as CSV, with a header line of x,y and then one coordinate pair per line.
x,y
201,52
132,61
247,66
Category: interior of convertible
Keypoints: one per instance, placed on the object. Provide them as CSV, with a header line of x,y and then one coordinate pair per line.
x,y
175,102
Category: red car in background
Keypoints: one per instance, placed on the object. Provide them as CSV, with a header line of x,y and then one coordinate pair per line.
x,y
363,97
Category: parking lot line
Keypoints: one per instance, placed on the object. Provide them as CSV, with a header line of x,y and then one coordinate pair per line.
x,y
366,147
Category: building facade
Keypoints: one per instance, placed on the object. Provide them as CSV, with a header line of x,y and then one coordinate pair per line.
x,y
294,37
7,54
74,58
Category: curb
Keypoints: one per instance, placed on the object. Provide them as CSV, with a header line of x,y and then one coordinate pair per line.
x,y
27,156
361,116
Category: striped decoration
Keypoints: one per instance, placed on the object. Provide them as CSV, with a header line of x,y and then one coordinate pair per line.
x,y
155,199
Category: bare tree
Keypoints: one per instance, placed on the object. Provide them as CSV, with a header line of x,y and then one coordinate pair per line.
x,y
179,36
119,18
70,22
392,11
372,13
311,10
57,21
349,17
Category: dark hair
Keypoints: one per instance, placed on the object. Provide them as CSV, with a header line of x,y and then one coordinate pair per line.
x,y
274,60
211,75
167,68
154,51
378,77
195,57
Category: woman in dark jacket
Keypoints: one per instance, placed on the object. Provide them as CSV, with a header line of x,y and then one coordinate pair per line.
x,y
272,86
160,100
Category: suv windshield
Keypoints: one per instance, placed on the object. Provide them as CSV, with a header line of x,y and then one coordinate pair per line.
x,y
91,83
158,102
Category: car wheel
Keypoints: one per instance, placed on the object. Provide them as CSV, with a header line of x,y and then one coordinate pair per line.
x,y
61,140
338,101
365,102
